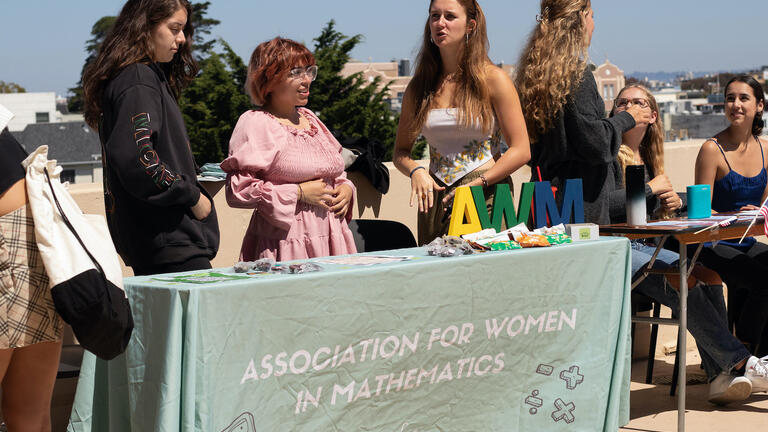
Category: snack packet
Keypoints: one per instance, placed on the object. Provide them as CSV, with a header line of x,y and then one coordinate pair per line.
x,y
533,240
504,245
558,239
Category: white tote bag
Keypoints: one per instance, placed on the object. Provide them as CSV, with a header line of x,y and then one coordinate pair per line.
x,y
62,254
82,264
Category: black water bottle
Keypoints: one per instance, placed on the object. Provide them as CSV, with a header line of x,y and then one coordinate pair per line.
x,y
634,183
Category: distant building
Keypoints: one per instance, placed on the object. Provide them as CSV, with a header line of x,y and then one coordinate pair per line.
x,y
692,126
610,80
389,72
508,68
29,108
74,145
34,108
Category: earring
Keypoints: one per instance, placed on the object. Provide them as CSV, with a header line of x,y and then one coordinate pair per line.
x,y
432,40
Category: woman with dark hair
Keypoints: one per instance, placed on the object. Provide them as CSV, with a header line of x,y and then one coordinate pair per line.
x,y
570,136
465,107
724,358
733,162
160,217
30,328
286,165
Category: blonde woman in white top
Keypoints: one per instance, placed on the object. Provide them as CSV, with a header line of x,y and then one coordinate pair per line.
x,y
464,106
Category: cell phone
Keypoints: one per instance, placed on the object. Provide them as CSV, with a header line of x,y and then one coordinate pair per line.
x,y
448,211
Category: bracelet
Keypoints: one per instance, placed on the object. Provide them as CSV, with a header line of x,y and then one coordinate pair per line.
x,y
484,180
414,170
301,192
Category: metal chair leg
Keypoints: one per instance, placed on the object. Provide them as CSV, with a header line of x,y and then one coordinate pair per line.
x,y
676,369
652,344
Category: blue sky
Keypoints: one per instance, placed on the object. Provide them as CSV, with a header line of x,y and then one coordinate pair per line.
x,y
42,41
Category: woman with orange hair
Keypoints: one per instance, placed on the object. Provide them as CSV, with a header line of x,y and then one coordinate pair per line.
x,y
285,164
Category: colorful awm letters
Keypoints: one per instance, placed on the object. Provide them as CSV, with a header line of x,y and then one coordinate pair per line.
x,y
470,213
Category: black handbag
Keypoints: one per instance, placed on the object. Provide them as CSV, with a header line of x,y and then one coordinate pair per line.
x,y
97,309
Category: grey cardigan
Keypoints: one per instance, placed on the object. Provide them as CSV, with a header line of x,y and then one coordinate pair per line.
x,y
582,143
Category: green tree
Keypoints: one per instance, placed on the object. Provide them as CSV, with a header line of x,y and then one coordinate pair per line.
x,y
203,25
11,87
99,31
202,45
349,105
213,102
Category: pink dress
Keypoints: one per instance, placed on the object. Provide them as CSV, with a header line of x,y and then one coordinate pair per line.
x,y
266,161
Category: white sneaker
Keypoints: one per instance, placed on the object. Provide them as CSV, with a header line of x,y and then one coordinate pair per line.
x,y
727,388
757,372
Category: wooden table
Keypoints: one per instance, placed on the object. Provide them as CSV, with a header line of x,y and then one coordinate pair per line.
x,y
686,233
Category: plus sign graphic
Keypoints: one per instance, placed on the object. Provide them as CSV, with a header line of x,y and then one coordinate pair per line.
x,y
572,377
564,411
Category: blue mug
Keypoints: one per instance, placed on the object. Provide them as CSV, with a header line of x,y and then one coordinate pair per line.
x,y
699,201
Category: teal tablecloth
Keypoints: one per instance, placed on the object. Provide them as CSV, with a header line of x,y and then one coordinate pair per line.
x,y
526,340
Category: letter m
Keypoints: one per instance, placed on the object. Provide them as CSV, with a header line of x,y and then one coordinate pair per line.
x,y
572,210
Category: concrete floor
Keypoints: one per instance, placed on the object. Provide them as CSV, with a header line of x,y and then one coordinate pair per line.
x,y
652,409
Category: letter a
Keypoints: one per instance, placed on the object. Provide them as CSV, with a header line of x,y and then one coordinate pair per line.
x,y
463,206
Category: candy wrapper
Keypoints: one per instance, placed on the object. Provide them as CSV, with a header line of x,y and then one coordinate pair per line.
x,y
559,239
547,231
267,265
304,268
533,240
263,265
449,246
505,245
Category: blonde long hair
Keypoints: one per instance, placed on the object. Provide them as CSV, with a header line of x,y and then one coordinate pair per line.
x,y
552,63
652,145
472,97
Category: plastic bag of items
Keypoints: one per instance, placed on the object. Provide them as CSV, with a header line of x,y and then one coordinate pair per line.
x,y
268,265
449,246
296,268
263,265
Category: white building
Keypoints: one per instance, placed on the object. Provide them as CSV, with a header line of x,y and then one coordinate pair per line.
x,y
610,80
388,72
30,108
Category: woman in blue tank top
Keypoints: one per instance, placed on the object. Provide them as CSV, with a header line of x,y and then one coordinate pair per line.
x,y
734,164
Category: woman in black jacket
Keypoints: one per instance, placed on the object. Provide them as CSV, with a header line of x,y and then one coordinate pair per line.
x,y
160,218
565,115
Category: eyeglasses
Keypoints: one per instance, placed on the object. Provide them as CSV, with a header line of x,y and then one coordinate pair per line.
x,y
299,72
624,102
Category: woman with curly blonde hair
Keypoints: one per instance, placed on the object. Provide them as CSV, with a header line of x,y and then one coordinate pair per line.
x,y
565,115
464,106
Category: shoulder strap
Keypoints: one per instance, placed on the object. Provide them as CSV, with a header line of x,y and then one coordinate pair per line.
x,y
713,139
761,149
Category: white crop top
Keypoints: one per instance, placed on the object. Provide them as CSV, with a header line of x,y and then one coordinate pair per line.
x,y
455,150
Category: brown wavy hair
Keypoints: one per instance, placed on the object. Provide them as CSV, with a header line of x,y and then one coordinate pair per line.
x,y
472,97
552,63
652,145
130,41
270,63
